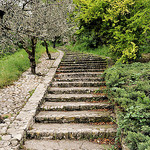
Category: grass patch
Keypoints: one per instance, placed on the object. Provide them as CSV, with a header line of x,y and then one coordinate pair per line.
x,y
12,66
101,50
128,85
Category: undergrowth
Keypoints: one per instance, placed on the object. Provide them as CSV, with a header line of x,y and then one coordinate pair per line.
x,y
12,66
128,85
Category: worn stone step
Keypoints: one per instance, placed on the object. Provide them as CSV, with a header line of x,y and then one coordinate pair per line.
x,y
78,84
90,65
84,64
81,67
78,74
83,79
74,97
84,61
90,116
71,131
80,70
75,90
72,106
82,56
71,65
64,145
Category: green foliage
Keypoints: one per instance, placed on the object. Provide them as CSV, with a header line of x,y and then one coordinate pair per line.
x,y
138,141
129,86
122,24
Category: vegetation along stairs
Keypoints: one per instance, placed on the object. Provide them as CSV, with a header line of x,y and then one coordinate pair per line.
x,y
75,113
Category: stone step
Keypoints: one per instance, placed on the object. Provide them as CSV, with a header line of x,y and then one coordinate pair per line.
x,y
80,70
74,97
71,65
90,116
71,131
72,106
82,56
83,79
83,62
74,54
81,67
79,74
64,145
78,84
70,59
75,90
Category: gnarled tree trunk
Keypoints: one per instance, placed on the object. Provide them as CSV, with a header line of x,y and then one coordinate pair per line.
x,y
32,55
46,45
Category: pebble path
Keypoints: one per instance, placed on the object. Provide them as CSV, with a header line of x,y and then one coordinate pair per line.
x,y
14,97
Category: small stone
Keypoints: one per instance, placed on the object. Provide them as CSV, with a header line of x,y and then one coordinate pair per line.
x,y
14,142
6,137
18,137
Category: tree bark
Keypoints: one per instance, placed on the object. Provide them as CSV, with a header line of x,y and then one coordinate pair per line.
x,y
54,43
46,45
32,55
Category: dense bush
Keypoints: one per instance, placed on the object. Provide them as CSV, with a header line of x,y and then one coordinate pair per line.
x,y
122,24
129,87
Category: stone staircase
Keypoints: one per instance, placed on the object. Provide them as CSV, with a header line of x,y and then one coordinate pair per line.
x,y
75,114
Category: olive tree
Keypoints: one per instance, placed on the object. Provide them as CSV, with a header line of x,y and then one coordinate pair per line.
x,y
26,21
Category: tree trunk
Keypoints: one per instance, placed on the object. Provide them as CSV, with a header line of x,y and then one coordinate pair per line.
x,y
32,56
54,43
46,45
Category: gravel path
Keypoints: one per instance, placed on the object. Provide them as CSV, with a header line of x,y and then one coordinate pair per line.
x,y
14,97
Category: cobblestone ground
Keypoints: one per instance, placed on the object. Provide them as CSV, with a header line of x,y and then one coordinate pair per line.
x,y
14,97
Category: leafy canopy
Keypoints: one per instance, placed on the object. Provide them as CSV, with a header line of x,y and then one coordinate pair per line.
x,y
122,24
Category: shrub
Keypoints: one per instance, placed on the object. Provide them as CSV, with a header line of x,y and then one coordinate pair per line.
x,y
128,86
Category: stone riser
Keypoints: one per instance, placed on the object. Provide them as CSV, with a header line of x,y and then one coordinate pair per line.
x,y
77,75
83,62
72,119
78,80
82,56
74,91
70,135
76,99
82,59
77,84
80,70
75,108
81,67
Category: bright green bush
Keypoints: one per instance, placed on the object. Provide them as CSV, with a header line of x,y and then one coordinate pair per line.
x,y
129,87
122,24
